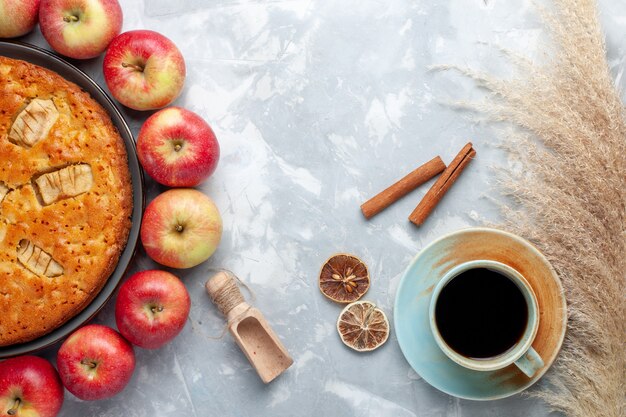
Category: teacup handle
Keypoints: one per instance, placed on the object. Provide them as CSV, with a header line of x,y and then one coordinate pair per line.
x,y
530,362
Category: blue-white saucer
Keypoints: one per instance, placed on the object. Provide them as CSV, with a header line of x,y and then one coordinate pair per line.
x,y
414,295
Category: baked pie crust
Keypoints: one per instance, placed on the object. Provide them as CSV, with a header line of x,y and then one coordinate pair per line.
x,y
65,200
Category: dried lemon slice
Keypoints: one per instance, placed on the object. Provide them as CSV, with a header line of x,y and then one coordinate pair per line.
x,y
344,278
362,326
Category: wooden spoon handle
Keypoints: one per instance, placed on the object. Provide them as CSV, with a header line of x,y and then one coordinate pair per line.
x,y
224,292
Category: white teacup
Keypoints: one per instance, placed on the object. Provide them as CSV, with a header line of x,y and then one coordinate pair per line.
x,y
521,354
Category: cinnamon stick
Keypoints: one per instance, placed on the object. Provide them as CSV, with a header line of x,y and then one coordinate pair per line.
x,y
401,188
442,185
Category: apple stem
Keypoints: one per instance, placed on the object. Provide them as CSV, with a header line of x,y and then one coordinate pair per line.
x,y
179,228
92,364
13,410
71,18
133,66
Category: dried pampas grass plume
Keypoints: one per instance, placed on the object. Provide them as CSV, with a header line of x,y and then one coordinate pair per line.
x,y
570,200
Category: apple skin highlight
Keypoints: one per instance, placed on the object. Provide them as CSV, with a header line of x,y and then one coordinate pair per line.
x,y
144,70
181,228
80,29
95,362
17,17
152,308
177,148
30,386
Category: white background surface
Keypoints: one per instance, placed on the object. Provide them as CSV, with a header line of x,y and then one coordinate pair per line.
x,y
318,105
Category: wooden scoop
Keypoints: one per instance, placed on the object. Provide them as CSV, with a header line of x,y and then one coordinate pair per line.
x,y
249,328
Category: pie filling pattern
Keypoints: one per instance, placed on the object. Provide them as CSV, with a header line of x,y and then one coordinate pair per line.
x,y
32,125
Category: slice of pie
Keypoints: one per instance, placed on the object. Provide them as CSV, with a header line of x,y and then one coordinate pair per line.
x,y
65,200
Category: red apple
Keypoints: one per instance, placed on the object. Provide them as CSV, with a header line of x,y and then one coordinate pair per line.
x,y
17,17
152,308
181,228
80,29
29,386
144,70
177,148
95,362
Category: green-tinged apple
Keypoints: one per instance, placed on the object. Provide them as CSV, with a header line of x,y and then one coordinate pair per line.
x,y
29,387
144,70
177,148
152,308
80,29
181,228
95,362
17,17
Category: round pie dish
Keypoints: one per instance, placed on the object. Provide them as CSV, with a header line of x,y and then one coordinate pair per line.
x,y
49,61
413,298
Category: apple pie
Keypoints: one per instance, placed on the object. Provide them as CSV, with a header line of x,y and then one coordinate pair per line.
x,y
65,200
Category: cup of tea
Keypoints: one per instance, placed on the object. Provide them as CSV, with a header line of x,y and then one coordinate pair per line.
x,y
484,316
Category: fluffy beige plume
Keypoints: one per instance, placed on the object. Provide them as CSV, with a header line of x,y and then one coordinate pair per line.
x,y
571,200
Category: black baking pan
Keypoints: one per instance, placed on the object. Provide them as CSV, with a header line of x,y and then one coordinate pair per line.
x,y
47,59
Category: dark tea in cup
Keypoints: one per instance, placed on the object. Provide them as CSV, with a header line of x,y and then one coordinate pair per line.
x,y
481,313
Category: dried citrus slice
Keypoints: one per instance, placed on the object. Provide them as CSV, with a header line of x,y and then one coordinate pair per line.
x,y
362,326
344,278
